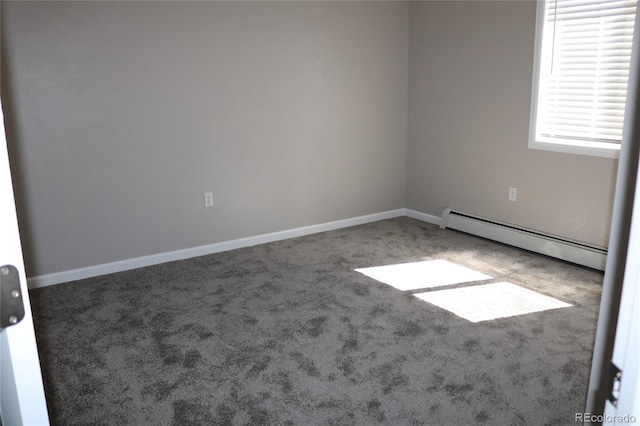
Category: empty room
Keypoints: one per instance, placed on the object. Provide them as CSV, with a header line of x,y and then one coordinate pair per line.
x,y
315,212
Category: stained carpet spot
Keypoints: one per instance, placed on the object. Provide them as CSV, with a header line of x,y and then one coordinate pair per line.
x,y
491,301
426,274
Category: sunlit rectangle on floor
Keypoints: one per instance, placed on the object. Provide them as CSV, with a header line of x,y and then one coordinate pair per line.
x,y
490,301
426,274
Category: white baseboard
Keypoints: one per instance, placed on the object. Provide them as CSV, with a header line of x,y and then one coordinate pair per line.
x,y
423,216
139,262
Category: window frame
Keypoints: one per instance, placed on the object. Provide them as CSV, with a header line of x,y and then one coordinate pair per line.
x,y
591,148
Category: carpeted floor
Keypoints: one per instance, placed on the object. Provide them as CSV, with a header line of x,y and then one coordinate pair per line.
x,y
288,333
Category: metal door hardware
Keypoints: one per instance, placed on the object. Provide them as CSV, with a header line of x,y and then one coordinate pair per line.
x,y
615,375
11,304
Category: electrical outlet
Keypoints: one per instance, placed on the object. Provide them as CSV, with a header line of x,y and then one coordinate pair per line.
x,y
513,194
208,199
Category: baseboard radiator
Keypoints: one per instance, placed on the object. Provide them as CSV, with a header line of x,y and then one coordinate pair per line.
x,y
539,242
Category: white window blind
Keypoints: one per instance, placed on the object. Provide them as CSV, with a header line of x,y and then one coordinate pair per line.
x,y
583,71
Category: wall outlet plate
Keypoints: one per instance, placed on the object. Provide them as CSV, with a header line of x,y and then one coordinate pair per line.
x,y
208,199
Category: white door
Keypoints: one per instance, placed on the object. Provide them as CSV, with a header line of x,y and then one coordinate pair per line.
x,y
22,400
626,353
626,349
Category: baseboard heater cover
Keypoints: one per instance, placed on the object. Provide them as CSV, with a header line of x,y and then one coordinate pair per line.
x,y
536,241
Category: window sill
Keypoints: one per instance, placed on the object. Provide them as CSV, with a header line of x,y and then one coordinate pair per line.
x,y
595,149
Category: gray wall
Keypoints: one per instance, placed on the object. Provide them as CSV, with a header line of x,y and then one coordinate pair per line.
x,y
470,88
120,115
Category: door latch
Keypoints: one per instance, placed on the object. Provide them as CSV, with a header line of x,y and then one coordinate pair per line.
x,y
11,305
615,376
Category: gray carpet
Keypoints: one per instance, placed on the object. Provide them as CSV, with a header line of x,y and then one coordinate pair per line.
x,y
287,333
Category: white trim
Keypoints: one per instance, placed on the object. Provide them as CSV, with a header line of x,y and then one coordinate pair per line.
x,y
154,259
537,51
596,149
436,220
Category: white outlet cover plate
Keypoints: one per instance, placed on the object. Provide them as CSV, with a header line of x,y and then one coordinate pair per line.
x,y
208,199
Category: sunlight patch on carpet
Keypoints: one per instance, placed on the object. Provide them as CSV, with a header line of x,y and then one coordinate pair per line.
x,y
425,274
491,301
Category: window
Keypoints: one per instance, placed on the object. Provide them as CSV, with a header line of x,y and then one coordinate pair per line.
x,y
582,58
